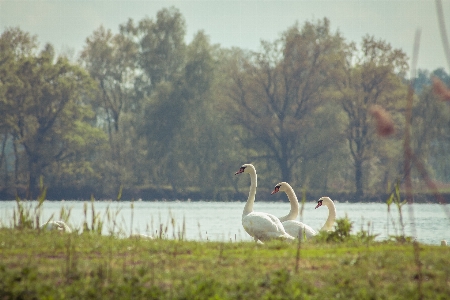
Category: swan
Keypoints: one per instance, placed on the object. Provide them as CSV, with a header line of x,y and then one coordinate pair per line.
x,y
57,225
261,226
328,226
290,224
142,236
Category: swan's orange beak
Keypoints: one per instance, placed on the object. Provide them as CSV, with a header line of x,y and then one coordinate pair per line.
x,y
275,190
241,170
319,204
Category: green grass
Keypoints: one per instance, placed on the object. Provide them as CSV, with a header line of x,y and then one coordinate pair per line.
x,y
52,265
40,264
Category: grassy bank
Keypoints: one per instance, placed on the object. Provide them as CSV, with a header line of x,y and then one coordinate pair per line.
x,y
52,265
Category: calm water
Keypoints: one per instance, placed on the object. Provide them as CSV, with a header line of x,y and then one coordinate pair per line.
x,y
221,221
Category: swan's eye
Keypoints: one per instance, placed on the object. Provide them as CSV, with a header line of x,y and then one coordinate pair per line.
x,y
242,169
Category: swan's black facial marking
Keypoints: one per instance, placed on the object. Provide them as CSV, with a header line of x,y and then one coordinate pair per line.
x,y
241,170
319,203
276,189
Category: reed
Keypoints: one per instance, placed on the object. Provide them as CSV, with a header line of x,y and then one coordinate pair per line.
x,y
300,238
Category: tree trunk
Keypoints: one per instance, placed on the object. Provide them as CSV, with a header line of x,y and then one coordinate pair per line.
x,y
285,171
2,157
16,164
359,179
325,181
32,176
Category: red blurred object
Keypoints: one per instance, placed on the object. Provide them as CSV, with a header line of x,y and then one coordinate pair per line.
x,y
440,89
384,122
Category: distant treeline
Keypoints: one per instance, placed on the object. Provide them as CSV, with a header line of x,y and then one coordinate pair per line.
x,y
140,108
167,194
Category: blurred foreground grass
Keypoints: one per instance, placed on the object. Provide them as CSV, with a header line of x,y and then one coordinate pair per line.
x,y
52,265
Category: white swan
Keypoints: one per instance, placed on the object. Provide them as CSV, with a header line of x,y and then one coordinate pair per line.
x,y
261,226
57,225
142,236
328,226
290,224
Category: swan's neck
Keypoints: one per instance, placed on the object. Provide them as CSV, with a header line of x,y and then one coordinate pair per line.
x,y
331,216
293,213
248,208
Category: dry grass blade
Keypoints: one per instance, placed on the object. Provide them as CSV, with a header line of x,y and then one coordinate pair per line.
x,y
445,44
408,160
430,184
407,141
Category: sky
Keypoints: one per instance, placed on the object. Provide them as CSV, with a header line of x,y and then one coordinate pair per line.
x,y
238,23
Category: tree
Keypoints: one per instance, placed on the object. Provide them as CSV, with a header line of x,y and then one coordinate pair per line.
x,y
177,124
430,129
204,143
14,45
423,78
47,110
371,75
112,61
274,93
162,48
157,102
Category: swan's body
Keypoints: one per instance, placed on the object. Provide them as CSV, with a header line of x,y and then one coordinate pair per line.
x,y
261,226
290,224
57,225
328,226
142,236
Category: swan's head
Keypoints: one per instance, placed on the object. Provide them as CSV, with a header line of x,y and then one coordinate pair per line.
x,y
281,187
247,168
322,200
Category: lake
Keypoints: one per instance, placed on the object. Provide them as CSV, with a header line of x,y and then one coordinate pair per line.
x,y
221,221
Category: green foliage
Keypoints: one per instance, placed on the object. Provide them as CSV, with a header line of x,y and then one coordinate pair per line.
x,y
53,266
318,159
430,131
44,103
26,216
162,45
395,198
342,233
274,93
142,109
96,224
22,216
369,77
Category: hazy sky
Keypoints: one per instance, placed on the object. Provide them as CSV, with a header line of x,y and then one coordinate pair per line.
x,y
243,23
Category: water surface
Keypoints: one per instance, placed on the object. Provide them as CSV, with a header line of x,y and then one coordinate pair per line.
x,y
221,221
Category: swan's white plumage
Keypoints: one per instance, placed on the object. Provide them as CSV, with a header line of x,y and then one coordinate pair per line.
x,y
291,225
57,225
328,226
261,226
142,236
297,229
